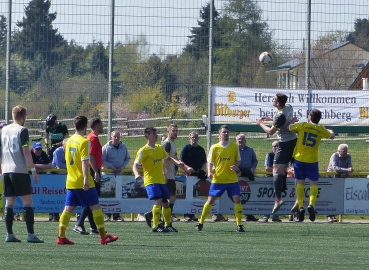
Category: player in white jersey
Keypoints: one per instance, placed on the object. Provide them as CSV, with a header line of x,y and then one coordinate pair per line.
x,y
16,157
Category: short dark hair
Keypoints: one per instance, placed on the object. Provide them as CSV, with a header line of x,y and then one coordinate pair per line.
x,y
94,122
223,126
315,115
148,130
80,122
281,98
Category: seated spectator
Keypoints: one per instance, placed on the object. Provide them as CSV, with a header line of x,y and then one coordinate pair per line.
x,y
40,158
249,162
59,157
341,163
42,162
115,156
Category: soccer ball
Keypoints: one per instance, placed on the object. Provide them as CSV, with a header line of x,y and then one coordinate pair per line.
x,y
265,58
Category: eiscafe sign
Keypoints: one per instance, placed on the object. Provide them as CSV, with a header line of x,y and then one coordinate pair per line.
x,y
245,105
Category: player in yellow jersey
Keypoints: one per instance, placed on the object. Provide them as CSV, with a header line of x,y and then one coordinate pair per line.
x,y
306,160
151,157
80,186
224,157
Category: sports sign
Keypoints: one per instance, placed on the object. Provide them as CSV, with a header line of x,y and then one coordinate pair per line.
x,y
231,105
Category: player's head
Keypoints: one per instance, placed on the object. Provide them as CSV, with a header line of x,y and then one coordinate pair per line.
x,y
150,134
280,100
96,125
223,133
19,114
315,115
172,131
80,123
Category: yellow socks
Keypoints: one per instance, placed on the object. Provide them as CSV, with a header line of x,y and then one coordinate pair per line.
x,y
313,195
156,215
64,222
300,192
99,221
238,213
205,212
166,214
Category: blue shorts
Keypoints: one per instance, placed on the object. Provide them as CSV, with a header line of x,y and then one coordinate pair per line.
x,y
76,197
216,190
158,191
306,170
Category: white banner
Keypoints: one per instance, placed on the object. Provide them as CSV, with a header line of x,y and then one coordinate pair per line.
x,y
232,105
356,196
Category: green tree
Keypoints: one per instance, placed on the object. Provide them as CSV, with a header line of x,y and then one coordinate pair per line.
x,y
97,59
244,36
37,36
3,33
361,33
199,38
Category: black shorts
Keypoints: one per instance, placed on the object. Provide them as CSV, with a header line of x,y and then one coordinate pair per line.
x,y
17,184
284,152
171,185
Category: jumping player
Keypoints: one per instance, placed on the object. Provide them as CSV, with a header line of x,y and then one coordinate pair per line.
x,y
306,160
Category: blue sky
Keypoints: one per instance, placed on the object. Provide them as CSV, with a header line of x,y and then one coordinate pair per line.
x,y
166,23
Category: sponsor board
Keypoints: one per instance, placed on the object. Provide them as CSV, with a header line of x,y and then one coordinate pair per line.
x,y
356,196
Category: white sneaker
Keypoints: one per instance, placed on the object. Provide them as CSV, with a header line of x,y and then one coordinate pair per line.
x,y
277,205
140,217
295,207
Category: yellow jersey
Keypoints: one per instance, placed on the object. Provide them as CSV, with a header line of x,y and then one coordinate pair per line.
x,y
151,159
309,137
77,150
222,158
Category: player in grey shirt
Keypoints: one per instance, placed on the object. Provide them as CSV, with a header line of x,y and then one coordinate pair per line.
x,y
287,142
16,157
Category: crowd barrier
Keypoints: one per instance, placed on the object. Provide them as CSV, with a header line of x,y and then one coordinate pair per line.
x,y
122,194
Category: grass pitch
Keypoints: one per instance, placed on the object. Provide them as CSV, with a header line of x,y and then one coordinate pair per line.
x,y
264,246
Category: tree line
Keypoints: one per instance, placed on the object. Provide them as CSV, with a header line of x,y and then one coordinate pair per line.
x,y
52,74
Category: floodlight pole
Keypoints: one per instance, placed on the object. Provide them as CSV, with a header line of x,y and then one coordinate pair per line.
x,y
111,64
8,58
210,83
307,52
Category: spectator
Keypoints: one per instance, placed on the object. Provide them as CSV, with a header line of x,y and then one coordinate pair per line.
x,y
55,132
341,163
115,156
40,158
42,162
269,168
59,157
248,164
194,156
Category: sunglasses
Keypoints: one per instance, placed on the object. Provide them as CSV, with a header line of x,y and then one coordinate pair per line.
x,y
275,145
